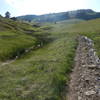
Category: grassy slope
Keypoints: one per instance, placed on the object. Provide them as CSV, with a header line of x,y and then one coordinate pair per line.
x,y
13,37
41,74
91,29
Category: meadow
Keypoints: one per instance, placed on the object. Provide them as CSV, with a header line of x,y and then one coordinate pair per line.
x,y
90,29
43,73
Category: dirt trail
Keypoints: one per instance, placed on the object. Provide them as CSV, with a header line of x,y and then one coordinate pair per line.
x,y
85,78
18,56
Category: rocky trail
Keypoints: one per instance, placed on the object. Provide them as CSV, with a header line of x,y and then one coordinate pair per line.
x,y
85,77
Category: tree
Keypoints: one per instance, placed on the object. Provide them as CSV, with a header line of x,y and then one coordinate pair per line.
x,y
7,14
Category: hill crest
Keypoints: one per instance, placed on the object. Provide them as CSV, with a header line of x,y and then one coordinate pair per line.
x,y
85,14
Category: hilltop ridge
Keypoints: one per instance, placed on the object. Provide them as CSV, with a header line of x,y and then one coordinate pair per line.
x,y
85,14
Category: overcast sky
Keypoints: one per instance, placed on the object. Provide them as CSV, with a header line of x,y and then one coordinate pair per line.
x,y
38,7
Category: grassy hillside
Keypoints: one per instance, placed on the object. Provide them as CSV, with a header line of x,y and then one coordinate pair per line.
x,y
66,25
86,26
42,73
89,28
16,37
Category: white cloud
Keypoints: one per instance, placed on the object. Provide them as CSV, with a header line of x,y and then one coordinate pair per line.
x,y
45,6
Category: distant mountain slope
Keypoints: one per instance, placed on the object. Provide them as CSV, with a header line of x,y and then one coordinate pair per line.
x,y
85,14
27,17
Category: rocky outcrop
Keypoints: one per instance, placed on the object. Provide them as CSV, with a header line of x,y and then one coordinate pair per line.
x,y
85,78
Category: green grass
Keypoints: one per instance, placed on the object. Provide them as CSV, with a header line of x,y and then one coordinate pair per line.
x,y
90,29
12,45
42,73
86,26
16,37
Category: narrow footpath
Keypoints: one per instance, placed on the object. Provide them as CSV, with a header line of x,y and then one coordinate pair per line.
x,y
85,77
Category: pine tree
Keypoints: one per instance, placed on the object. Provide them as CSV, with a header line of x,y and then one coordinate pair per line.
x,y
7,14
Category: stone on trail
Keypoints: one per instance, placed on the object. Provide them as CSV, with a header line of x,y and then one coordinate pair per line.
x,y
88,93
